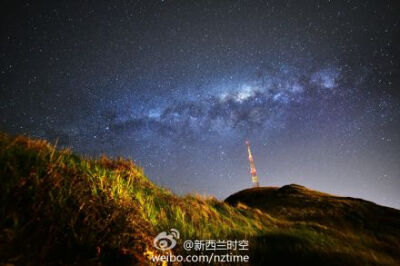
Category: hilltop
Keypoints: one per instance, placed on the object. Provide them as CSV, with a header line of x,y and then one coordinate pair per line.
x,y
60,208
298,203
358,226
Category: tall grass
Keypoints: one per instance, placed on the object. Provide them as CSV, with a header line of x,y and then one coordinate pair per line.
x,y
98,207
58,207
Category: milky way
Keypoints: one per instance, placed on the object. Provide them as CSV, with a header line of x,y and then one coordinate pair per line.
x,y
178,86
231,109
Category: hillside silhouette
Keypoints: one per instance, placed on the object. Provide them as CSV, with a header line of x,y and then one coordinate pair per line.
x,y
60,208
358,226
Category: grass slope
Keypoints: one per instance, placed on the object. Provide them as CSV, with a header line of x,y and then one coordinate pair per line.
x,y
60,208
359,232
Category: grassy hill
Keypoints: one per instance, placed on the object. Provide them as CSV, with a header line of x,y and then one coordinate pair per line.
x,y
357,232
60,208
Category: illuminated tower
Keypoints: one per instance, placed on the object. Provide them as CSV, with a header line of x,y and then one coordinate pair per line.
x,y
253,172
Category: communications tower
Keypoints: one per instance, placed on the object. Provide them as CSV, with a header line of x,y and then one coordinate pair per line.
x,y
253,172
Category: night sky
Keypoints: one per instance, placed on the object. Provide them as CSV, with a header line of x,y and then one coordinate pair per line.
x,y
178,86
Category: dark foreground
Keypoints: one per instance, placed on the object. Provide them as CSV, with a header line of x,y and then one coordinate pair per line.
x,y
59,208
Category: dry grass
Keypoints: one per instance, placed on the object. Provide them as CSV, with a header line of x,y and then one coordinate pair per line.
x,y
60,208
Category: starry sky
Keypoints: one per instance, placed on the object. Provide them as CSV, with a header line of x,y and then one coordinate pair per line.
x,y
178,86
